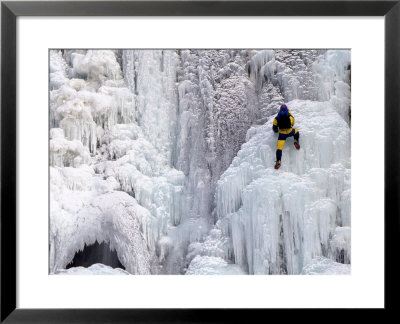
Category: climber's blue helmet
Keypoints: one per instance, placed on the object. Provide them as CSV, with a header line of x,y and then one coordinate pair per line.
x,y
283,111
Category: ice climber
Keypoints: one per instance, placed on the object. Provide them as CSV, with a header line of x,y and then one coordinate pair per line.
x,y
283,123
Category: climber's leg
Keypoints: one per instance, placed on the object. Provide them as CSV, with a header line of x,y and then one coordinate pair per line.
x,y
296,139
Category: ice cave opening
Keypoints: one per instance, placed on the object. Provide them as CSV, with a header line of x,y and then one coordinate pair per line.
x,y
96,253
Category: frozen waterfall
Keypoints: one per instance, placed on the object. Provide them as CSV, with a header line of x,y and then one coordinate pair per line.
x,y
280,220
167,156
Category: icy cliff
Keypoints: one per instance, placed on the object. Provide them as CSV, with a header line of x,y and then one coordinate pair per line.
x,y
166,156
280,220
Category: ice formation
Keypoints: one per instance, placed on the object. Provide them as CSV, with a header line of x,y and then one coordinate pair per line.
x,y
280,221
166,155
127,194
95,269
325,266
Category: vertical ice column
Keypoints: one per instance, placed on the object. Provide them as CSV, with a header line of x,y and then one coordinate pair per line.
x,y
217,105
151,76
332,76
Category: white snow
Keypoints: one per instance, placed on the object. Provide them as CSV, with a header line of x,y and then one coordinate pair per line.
x,y
206,265
324,266
95,269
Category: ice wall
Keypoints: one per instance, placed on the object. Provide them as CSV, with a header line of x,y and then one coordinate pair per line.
x,y
111,141
85,209
332,74
159,134
151,76
318,75
216,106
91,100
279,221
279,76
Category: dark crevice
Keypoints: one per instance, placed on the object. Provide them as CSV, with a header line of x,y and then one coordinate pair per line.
x,y
96,253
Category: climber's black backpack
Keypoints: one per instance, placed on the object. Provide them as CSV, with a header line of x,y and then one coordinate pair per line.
x,y
283,120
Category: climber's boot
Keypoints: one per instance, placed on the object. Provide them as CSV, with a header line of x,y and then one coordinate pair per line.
x,y
296,145
278,164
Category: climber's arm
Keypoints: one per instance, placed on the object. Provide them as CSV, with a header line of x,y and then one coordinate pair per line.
x,y
275,125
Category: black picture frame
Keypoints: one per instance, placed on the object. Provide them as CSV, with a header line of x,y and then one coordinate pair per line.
x,y
10,10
